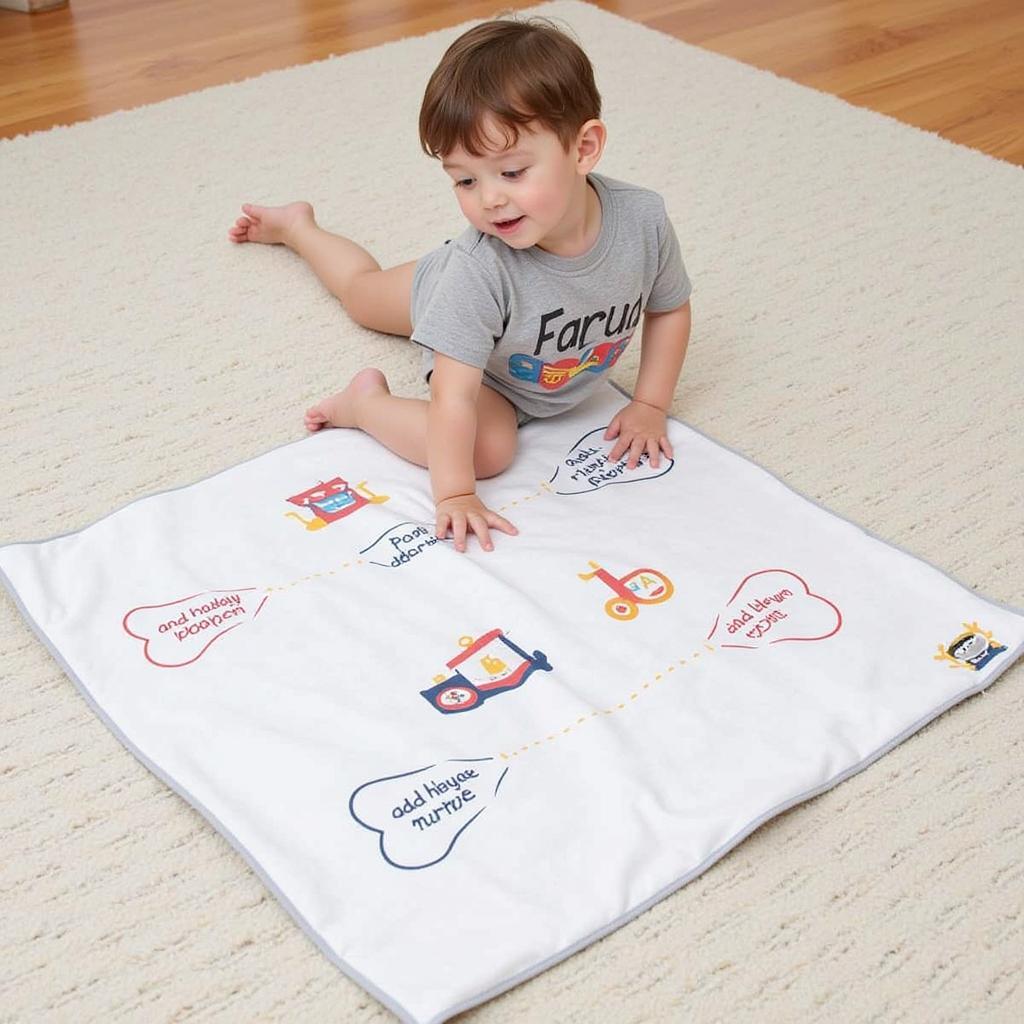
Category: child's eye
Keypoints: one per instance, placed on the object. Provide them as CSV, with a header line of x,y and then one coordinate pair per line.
x,y
466,182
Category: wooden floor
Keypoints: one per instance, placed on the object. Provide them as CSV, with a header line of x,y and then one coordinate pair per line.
x,y
955,67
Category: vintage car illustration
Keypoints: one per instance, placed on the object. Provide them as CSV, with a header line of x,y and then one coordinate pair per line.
x,y
488,665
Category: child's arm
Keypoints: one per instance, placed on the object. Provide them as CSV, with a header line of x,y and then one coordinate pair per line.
x,y
451,427
451,441
641,426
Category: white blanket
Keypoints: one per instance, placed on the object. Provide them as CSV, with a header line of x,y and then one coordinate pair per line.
x,y
455,769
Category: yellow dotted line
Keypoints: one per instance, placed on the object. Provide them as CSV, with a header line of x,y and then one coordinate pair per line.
x,y
635,695
544,486
313,576
346,565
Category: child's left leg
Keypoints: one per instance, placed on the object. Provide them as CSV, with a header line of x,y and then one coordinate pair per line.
x,y
375,298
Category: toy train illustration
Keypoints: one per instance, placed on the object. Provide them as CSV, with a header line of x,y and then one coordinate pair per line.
x,y
488,665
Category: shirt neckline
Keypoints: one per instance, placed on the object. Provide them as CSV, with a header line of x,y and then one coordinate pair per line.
x,y
600,248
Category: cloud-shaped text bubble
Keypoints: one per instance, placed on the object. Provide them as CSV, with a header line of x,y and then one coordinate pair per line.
x,y
587,467
773,606
180,632
400,544
419,815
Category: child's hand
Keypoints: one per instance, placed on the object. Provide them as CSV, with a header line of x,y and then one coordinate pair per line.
x,y
467,511
640,427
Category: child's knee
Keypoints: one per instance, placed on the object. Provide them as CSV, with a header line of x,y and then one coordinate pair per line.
x,y
379,299
494,452
360,297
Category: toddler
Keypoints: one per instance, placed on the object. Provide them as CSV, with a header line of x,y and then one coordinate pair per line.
x,y
522,314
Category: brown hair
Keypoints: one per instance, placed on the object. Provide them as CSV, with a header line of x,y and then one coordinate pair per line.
x,y
519,71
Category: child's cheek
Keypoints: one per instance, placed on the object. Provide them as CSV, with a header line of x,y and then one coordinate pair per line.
x,y
471,211
549,200
537,202
538,195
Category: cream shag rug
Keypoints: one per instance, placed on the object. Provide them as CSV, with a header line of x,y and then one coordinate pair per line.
x,y
857,331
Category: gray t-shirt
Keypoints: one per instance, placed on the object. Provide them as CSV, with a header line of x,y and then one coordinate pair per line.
x,y
545,328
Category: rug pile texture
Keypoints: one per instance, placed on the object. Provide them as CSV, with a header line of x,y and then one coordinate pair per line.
x,y
856,311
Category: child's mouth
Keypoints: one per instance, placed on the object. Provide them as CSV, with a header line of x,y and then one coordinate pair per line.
x,y
507,226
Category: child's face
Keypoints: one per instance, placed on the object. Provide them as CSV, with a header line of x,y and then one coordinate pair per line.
x,y
534,180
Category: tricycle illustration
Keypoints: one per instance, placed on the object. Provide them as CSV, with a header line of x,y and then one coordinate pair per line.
x,y
332,500
641,586
488,665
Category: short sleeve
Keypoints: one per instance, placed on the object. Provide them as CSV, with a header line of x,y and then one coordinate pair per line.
x,y
463,315
671,286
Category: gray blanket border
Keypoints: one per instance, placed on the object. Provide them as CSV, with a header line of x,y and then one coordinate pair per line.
x,y
633,912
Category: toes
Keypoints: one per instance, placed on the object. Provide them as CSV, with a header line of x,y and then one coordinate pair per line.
x,y
315,419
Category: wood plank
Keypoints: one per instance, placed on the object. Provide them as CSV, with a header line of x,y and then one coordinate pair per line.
x,y
951,66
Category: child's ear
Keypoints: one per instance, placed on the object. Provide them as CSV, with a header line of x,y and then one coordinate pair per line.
x,y
590,142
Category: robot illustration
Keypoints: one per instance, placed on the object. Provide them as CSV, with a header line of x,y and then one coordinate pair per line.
x,y
332,500
488,665
641,586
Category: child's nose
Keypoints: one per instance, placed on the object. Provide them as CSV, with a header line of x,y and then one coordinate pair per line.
x,y
493,196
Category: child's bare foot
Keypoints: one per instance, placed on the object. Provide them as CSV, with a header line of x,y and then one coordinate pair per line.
x,y
270,224
340,410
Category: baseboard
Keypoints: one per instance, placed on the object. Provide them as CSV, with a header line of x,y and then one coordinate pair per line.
x,y
32,6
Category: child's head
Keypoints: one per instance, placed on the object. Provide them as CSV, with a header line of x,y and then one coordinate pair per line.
x,y
513,112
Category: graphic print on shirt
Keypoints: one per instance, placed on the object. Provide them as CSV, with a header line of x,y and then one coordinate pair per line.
x,y
572,334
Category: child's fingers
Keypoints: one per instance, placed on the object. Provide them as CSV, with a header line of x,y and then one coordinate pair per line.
x,y
500,523
667,447
459,532
442,525
636,449
653,452
479,525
